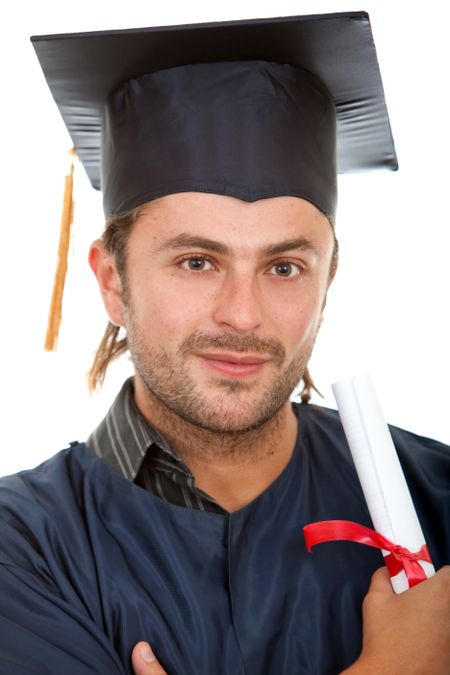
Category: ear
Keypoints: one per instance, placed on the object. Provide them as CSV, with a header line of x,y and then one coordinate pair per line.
x,y
103,265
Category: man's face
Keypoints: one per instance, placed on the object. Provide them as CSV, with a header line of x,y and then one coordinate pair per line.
x,y
223,303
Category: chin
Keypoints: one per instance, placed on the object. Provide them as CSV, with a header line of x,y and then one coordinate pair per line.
x,y
222,415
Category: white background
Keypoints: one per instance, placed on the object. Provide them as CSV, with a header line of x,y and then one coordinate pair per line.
x,y
388,313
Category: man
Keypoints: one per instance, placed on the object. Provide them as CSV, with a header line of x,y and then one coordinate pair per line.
x,y
185,532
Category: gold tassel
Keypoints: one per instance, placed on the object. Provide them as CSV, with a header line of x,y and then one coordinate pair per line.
x,y
54,317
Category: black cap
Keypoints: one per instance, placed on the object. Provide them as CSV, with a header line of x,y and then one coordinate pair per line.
x,y
244,108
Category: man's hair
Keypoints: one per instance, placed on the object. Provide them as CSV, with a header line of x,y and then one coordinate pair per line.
x,y
115,240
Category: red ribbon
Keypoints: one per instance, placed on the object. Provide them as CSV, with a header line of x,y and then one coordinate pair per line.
x,y
399,558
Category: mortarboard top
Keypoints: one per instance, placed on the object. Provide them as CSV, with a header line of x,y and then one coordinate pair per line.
x,y
84,69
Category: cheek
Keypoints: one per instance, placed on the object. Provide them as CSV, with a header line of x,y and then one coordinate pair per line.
x,y
297,319
171,307
303,330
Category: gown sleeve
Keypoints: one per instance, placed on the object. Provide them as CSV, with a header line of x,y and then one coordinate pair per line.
x,y
52,621
40,633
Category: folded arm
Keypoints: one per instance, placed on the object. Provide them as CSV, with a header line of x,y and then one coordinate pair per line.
x,y
42,633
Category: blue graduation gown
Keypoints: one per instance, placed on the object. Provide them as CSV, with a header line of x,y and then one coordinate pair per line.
x,y
90,564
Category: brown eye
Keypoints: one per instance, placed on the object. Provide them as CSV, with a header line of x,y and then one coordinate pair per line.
x,y
196,264
285,269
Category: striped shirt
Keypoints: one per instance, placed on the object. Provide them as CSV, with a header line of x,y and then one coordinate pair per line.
x,y
131,447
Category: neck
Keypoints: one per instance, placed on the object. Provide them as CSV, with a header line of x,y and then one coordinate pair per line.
x,y
232,467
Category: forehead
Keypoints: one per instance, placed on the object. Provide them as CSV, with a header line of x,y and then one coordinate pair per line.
x,y
236,223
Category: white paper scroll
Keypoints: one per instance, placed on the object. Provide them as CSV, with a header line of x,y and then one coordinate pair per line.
x,y
383,482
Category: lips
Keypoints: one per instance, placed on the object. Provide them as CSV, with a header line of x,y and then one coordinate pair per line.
x,y
238,365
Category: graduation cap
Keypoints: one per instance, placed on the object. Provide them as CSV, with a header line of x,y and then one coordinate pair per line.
x,y
251,109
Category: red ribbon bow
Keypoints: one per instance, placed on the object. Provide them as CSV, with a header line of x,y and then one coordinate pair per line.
x,y
399,558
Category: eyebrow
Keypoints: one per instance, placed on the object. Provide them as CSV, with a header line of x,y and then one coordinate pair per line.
x,y
186,240
299,243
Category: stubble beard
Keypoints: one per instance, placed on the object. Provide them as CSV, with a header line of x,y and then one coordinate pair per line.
x,y
228,406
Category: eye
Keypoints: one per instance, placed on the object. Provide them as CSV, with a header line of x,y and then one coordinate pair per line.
x,y
196,264
285,269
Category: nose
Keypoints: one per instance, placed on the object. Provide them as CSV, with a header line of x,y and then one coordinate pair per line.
x,y
239,303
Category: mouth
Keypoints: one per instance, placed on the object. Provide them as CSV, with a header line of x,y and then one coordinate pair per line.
x,y
237,365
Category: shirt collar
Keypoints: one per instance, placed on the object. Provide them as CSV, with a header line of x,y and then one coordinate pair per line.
x,y
124,437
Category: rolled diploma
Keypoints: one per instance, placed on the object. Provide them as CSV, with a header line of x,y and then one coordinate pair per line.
x,y
380,473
